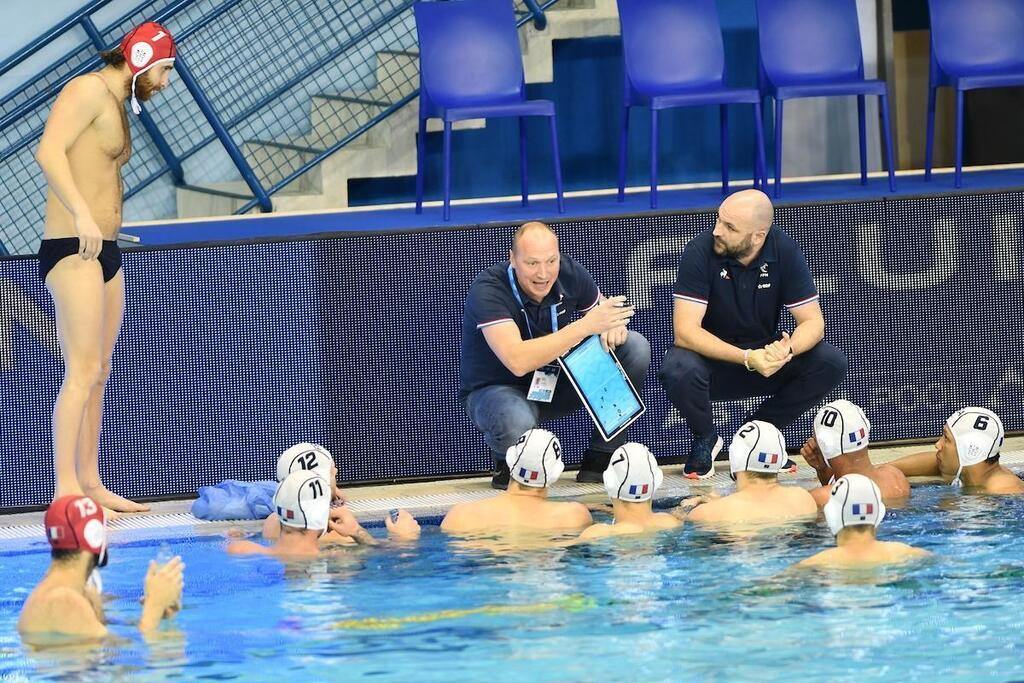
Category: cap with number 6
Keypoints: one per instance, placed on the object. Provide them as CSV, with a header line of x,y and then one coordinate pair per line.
x,y
303,501
978,435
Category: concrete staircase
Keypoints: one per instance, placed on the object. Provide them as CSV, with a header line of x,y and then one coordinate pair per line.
x,y
387,149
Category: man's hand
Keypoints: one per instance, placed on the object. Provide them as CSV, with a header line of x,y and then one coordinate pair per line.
x,y
812,454
162,587
759,361
607,315
405,526
343,522
614,338
779,350
90,239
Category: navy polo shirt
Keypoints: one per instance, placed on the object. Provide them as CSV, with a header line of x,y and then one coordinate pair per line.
x,y
491,302
744,303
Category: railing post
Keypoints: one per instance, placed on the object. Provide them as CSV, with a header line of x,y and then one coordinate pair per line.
x,y
540,20
222,134
173,164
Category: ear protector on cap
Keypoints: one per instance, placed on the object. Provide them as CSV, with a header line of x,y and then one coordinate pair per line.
x,y
854,500
536,459
632,474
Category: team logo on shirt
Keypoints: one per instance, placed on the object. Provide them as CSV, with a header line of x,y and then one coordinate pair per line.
x,y
764,270
724,274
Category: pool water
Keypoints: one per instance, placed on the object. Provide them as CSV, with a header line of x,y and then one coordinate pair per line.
x,y
682,605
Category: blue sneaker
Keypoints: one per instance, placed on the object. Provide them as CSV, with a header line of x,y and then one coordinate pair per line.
x,y
701,463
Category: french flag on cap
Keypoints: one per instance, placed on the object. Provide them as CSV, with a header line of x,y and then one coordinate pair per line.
x,y
863,509
638,489
285,514
768,458
528,474
857,435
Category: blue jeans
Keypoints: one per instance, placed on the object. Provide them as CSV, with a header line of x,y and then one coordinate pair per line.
x,y
503,414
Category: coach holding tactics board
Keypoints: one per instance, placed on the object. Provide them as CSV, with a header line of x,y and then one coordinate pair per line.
x,y
518,321
732,284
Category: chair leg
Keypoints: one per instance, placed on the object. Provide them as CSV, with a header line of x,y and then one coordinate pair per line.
x,y
623,141
654,158
778,148
558,165
930,139
723,117
887,130
958,171
524,183
447,170
760,172
862,130
421,153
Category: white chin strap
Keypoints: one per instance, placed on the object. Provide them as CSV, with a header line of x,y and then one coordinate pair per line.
x,y
956,483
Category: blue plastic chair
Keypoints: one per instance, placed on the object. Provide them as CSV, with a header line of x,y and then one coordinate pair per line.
x,y
471,67
674,57
977,44
811,48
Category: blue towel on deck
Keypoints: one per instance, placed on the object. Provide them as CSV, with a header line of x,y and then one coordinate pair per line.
x,y
233,499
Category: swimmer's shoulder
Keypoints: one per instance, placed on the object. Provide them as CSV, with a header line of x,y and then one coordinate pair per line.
x,y
801,500
899,550
894,483
60,610
470,515
570,514
712,511
87,91
595,531
663,520
1006,483
822,559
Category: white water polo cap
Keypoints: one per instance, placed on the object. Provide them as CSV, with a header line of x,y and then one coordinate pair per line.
x,y
305,456
854,500
303,501
536,459
978,435
757,447
632,474
840,428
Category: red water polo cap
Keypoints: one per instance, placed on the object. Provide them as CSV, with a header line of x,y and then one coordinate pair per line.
x,y
76,523
144,47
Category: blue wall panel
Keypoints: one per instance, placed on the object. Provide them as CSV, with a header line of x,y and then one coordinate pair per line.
x,y
231,353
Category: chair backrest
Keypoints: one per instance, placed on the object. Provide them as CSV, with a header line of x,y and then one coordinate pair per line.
x,y
469,52
808,41
977,36
671,45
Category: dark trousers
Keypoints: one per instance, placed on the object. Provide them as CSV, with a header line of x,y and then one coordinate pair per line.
x,y
503,414
692,382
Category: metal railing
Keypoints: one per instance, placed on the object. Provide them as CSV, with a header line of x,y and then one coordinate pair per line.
x,y
280,84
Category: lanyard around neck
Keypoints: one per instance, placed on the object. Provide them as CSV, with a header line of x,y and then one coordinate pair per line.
x,y
522,306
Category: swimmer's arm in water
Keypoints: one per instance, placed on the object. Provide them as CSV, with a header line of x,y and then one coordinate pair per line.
x,y
594,532
918,465
272,527
78,105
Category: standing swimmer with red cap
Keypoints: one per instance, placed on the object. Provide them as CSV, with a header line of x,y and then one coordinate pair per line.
x,y
84,145
66,607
